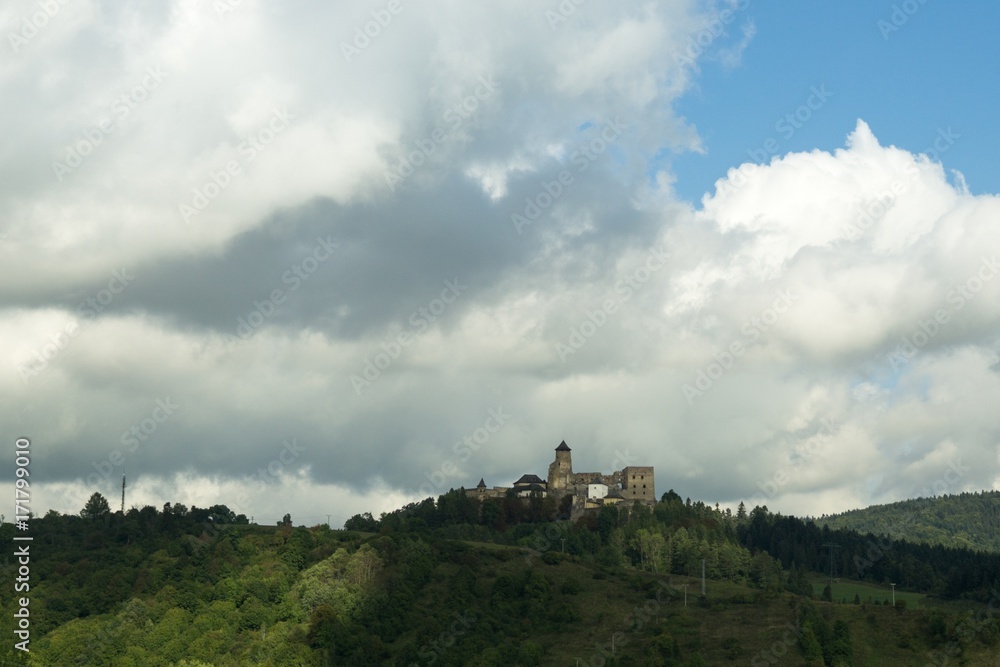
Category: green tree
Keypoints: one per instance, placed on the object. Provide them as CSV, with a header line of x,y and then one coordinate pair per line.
x,y
840,651
811,649
766,573
651,547
97,507
362,522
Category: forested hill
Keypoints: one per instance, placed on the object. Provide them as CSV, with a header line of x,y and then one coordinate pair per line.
x,y
969,520
454,582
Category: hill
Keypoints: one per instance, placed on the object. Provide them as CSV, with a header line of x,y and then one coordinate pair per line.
x,y
437,583
969,520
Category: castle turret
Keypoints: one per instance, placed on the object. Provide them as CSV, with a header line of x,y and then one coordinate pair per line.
x,y
561,472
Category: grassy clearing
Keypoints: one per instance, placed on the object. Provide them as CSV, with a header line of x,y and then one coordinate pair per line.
x,y
844,591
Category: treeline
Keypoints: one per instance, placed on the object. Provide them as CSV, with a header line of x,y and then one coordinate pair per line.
x,y
675,536
970,520
672,537
190,587
194,587
942,571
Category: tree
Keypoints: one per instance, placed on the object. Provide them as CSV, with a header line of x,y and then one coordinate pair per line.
x,y
362,522
97,507
827,593
811,649
651,546
840,651
765,572
741,513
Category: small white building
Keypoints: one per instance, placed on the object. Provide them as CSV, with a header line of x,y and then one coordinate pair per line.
x,y
596,489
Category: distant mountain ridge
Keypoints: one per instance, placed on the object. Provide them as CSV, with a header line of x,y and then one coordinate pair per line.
x,y
970,520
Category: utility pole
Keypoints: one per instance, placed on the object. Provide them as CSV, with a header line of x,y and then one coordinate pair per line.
x,y
685,586
123,491
702,576
893,594
328,520
832,546
563,539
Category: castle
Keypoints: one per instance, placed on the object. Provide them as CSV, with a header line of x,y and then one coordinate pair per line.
x,y
589,490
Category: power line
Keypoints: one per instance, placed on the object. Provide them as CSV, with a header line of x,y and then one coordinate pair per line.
x,y
832,547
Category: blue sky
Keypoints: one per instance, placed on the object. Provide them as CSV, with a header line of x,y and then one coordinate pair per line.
x,y
940,69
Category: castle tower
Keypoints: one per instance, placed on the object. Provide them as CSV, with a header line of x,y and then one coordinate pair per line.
x,y
638,484
561,472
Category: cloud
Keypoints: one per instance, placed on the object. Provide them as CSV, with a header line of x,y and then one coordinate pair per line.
x,y
803,290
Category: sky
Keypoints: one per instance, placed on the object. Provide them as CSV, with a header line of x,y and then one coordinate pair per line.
x,y
324,260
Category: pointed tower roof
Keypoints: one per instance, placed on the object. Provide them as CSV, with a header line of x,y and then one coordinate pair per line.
x,y
482,484
563,447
